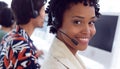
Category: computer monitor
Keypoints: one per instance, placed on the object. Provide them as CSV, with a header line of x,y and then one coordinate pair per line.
x,y
104,37
104,45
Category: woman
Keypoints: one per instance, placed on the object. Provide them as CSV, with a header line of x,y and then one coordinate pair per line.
x,y
73,23
6,21
18,50
6,17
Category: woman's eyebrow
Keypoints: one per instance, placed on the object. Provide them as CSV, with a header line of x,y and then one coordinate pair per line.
x,y
78,17
81,17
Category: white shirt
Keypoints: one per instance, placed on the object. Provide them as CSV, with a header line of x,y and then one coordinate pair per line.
x,y
60,57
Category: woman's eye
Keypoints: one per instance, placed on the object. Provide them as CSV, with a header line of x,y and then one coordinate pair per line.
x,y
92,22
77,22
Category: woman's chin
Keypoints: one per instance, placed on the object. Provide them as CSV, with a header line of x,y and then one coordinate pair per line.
x,y
82,48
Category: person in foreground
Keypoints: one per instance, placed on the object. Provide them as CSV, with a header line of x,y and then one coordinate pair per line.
x,y
73,23
18,51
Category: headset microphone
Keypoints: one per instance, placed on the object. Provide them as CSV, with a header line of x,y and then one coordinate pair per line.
x,y
73,40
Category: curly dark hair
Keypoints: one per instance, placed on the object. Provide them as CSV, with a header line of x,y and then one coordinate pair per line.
x,y
23,9
56,9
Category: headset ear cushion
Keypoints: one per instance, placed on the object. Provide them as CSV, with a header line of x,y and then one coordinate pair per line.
x,y
35,14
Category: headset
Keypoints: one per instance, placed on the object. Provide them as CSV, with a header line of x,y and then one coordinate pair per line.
x,y
34,12
73,40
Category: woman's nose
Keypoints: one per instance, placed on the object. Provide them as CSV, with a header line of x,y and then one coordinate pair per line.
x,y
85,29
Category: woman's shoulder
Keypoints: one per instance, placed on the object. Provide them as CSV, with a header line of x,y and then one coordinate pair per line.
x,y
51,63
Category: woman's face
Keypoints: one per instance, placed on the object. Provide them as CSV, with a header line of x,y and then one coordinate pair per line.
x,y
78,23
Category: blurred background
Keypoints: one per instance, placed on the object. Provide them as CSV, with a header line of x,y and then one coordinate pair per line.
x,y
103,51
105,5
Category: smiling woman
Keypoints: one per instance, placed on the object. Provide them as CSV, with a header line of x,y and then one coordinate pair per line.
x,y
73,24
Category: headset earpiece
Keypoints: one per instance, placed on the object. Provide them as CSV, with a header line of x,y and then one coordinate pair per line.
x,y
34,12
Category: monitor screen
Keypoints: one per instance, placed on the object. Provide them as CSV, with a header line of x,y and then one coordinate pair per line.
x,y
105,31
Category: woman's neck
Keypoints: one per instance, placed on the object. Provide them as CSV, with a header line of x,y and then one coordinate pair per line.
x,y
29,28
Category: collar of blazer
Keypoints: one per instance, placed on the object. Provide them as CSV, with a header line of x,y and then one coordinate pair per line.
x,y
63,55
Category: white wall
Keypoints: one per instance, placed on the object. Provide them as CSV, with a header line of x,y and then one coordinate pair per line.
x,y
116,49
109,5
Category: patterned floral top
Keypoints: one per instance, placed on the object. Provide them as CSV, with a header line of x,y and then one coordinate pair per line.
x,y
17,51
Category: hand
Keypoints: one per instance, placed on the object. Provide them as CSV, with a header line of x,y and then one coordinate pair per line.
x,y
39,53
